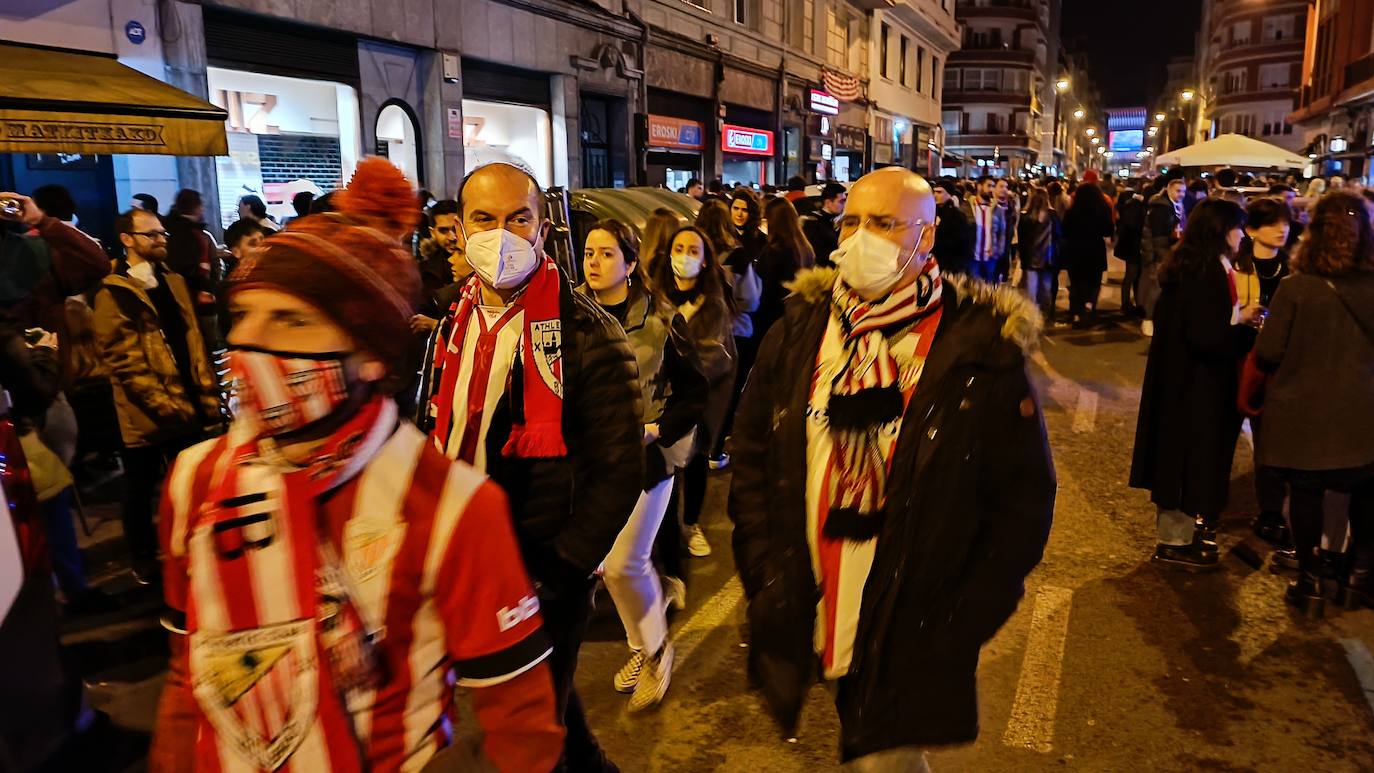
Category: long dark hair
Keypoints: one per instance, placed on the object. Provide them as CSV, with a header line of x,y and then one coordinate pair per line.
x,y
1339,240
1089,205
751,226
711,281
1038,206
785,233
714,222
658,235
1204,239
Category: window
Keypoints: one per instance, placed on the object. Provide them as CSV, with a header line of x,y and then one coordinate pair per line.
x,y
920,69
1278,28
994,123
1240,33
949,120
901,65
741,11
934,78
837,37
809,26
1235,81
976,39
882,49
1245,124
1274,76
951,80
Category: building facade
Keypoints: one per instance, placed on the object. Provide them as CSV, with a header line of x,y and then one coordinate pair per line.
x,y
1334,110
1251,56
910,44
995,110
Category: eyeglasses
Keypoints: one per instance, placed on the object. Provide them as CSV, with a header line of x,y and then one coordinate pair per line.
x,y
880,224
151,234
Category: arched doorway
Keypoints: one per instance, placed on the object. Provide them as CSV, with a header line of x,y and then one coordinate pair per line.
x,y
398,139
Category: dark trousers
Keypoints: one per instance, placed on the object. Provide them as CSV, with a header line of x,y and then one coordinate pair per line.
x,y
144,469
1083,291
693,490
66,556
1270,487
668,547
1129,290
565,620
1305,511
746,351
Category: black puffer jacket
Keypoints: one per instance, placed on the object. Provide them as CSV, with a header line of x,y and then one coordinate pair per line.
x,y
969,509
568,511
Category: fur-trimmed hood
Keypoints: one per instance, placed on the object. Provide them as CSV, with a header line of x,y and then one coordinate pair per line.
x,y
1022,323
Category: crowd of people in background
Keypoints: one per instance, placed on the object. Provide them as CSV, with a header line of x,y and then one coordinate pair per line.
x,y
626,378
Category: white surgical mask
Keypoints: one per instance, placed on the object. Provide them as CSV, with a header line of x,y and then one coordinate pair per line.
x,y
686,267
870,264
501,259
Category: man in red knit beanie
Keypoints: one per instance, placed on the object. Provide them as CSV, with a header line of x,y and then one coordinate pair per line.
x,y
326,566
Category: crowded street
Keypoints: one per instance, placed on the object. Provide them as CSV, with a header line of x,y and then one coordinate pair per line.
x,y
1109,664
720,386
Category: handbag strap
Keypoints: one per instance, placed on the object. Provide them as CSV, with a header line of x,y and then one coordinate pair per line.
x,y
1346,305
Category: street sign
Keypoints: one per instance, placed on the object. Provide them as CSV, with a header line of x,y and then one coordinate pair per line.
x,y
824,102
135,32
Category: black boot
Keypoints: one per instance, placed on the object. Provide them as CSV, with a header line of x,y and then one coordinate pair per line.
x,y
1358,589
1272,528
1200,555
1306,594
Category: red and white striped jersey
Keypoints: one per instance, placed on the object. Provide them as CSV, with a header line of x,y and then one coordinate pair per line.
x,y
430,554
490,345
841,567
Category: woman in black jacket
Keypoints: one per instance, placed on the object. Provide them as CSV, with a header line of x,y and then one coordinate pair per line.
x,y
674,398
787,252
1188,424
1318,428
1037,240
1087,229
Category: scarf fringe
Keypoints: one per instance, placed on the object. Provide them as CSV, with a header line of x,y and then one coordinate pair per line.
x,y
848,523
865,409
534,442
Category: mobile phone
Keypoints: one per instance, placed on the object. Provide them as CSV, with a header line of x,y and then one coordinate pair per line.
x,y
11,207
34,334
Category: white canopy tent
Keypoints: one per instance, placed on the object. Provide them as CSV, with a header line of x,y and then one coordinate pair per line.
x,y
1233,150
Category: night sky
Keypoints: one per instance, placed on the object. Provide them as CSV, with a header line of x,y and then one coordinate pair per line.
x,y
1129,41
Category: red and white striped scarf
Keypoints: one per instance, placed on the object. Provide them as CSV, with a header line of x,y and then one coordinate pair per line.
x,y
865,396
275,643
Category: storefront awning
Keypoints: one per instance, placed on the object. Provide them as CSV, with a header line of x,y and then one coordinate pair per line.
x,y
67,102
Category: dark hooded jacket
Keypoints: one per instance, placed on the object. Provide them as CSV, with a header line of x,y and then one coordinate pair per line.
x,y
968,513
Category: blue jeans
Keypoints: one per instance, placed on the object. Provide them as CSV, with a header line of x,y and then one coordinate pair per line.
x,y
66,556
1041,288
986,270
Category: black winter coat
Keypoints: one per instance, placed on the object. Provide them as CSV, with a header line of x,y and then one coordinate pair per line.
x,y
819,227
953,247
969,509
1130,225
568,511
1186,433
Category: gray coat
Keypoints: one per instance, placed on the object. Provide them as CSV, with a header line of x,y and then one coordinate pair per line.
x,y
1319,403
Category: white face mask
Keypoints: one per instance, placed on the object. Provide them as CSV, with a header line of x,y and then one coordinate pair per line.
x,y
686,267
870,264
501,259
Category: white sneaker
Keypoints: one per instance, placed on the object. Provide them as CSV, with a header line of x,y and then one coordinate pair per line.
x,y
653,680
628,675
675,593
1147,328
696,542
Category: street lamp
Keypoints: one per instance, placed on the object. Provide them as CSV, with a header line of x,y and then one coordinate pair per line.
x,y
1090,131
1159,117
1153,130
1096,140
1062,85
1079,113
1187,95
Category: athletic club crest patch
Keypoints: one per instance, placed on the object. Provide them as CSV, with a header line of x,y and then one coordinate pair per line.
x,y
547,346
258,687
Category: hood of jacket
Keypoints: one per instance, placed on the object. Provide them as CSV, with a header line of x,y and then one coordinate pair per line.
x,y
1016,320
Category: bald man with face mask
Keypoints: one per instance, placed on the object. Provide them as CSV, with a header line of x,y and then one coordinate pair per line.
x,y
890,406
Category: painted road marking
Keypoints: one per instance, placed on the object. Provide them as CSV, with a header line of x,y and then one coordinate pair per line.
x,y
1363,663
1037,693
707,619
1085,415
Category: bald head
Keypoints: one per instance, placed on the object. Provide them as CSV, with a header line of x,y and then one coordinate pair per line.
x,y
503,180
897,205
503,196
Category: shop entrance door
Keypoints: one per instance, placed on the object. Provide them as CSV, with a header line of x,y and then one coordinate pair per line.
x,y
604,161
398,140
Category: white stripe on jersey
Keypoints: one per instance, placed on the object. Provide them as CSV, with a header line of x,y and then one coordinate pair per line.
x,y
507,345
180,483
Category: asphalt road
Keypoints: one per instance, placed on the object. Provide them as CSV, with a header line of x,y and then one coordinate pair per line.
x,y
1110,664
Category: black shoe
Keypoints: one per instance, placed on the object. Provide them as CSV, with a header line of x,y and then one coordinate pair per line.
x,y
1272,528
147,572
1198,556
1207,535
1286,558
1306,594
1358,589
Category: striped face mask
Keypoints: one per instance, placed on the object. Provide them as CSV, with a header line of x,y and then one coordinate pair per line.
x,y
281,392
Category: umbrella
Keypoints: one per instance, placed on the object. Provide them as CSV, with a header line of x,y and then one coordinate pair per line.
x,y
1232,150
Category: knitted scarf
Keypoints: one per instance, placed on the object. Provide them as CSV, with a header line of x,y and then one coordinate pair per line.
x,y
865,396
536,380
276,644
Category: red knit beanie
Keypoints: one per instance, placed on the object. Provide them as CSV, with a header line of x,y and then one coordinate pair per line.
x,y
352,265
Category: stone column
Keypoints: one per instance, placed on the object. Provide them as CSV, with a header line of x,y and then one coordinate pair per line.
x,y
183,46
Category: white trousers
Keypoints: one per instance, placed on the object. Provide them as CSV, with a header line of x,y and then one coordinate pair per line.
x,y
629,573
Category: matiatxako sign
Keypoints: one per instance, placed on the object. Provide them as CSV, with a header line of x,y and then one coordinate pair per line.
x,y
740,139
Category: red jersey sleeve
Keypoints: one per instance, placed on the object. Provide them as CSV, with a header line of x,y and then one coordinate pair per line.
x,y
489,607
